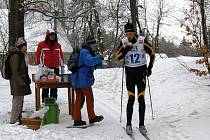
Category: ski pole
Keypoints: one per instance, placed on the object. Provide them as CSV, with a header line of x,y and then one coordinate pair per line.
x,y
122,93
150,99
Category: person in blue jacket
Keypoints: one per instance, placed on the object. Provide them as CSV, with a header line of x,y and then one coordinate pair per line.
x,y
83,79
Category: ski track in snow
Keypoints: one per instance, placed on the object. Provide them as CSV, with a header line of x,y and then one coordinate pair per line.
x,y
181,104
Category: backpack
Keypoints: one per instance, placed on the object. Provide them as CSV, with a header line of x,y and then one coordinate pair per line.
x,y
73,61
6,71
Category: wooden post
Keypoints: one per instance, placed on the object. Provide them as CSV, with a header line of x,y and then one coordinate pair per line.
x,y
37,96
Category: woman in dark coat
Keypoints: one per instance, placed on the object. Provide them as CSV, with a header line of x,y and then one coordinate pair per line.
x,y
20,80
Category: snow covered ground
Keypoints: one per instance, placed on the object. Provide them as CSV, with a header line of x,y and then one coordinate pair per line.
x,y
181,102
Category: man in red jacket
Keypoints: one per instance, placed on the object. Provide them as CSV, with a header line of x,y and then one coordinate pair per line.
x,y
49,54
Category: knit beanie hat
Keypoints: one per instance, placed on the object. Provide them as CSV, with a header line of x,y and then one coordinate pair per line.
x,y
90,40
128,27
20,42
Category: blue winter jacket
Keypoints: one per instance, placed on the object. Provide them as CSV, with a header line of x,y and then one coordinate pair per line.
x,y
87,62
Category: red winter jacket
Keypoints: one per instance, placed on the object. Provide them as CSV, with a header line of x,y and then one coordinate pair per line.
x,y
47,58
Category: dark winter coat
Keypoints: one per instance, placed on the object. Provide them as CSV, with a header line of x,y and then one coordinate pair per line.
x,y
20,80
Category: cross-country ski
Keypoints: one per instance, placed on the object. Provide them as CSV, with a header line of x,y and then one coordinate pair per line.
x,y
81,126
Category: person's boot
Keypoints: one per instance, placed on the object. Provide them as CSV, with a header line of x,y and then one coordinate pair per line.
x,y
79,123
96,119
129,129
143,129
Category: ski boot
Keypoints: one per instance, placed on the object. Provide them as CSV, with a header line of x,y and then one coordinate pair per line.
x,y
129,129
96,119
79,123
143,129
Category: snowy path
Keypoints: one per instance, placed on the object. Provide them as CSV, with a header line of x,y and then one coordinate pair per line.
x,y
180,100
181,103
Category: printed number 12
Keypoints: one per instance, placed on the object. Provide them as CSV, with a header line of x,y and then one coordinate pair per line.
x,y
135,58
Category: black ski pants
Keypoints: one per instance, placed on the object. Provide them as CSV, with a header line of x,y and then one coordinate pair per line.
x,y
136,76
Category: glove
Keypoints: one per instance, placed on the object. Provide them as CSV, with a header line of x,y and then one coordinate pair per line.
x,y
128,48
148,72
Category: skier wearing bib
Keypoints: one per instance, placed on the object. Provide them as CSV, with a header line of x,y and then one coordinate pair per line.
x,y
133,49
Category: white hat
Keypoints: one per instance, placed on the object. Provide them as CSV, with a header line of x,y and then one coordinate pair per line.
x,y
20,41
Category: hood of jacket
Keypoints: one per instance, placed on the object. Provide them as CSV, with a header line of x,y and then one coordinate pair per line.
x,y
48,33
87,47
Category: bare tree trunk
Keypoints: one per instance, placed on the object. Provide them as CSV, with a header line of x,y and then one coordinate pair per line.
x,y
98,26
116,35
117,24
157,33
74,39
204,29
20,19
145,15
209,39
90,23
16,21
12,24
99,34
62,9
59,5
56,14
159,19
203,23
62,5
134,12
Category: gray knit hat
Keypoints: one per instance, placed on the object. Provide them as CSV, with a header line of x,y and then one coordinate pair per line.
x,y
20,41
